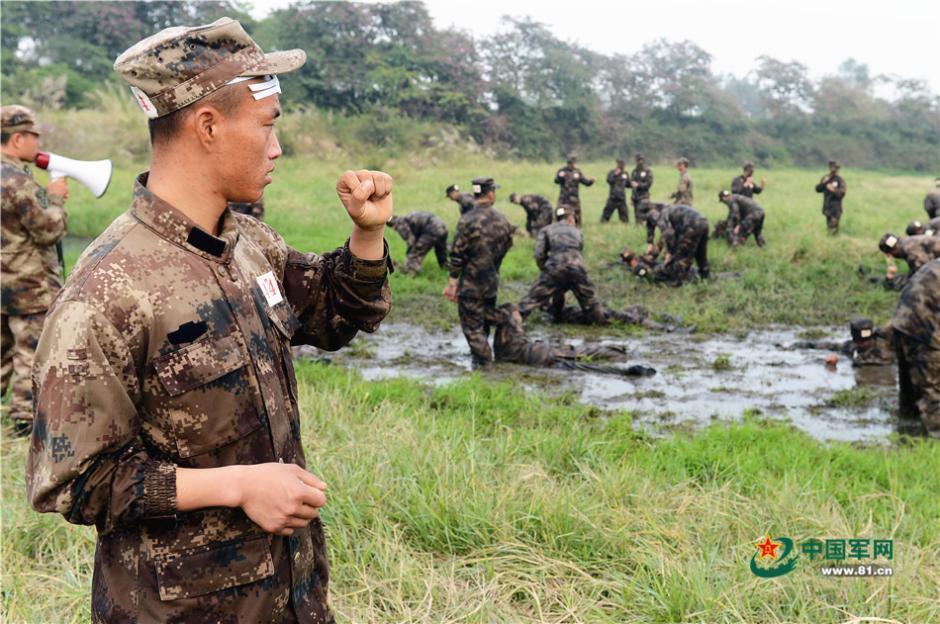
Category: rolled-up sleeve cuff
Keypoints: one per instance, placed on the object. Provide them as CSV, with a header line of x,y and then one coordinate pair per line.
x,y
159,489
368,270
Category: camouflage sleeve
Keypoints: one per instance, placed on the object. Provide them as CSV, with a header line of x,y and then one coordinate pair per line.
x,y
668,232
87,460
404,230
646,183
821,187
840,190
734,212
559,176
737,185
335,295
650,230
611,176
757,189
541,248
46,226
585,180
463,241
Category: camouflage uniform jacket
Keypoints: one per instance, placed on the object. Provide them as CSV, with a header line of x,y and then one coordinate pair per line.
x,y
33,223
738,187
411,226
483,237
932,203
671,221
644,180
559,244
570,179
171,347
466,203
683,194
832,200
918,313
538,212
741,207
618,180
918,251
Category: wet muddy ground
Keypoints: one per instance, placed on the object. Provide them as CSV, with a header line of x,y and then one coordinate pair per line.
x,y
699,378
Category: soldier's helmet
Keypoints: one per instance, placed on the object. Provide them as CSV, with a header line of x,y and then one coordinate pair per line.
x,y
16,118
861,329
915,228
180,65
453,188
723,194
888,243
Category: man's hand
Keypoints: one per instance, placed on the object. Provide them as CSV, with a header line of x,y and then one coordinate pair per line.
x,y
649,249
634,183
450,291
891,272
367,196
58,186
280,497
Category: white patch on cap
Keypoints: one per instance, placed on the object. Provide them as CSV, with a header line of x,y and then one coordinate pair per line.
x,y
456,188
559,212
270,86
865,333
477,189
144,103
891,241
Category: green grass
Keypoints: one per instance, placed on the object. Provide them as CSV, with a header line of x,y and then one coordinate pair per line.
x,y
802,277
473,502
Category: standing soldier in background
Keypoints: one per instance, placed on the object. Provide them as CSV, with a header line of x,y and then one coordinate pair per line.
x,y
832,186
744,183
618,179
558,256
932,201
538,211
252,209
422,231
569,178
34,221
641,179
683,194
745,217
483,237
464,200
917,346
166,399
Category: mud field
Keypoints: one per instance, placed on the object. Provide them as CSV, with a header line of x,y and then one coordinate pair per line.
x,y
699,378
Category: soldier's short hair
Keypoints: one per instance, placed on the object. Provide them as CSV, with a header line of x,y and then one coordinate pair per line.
x,y
888,243
227,100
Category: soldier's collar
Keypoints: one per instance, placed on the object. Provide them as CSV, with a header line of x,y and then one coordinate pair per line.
x,y
172,225
16,162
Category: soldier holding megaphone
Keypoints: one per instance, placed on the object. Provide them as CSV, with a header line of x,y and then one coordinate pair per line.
x,y
34,221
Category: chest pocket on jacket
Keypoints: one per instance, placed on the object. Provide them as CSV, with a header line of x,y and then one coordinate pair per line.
x,y
204,382
286,325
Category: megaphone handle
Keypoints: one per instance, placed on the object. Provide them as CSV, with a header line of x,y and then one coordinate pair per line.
x,y
55,174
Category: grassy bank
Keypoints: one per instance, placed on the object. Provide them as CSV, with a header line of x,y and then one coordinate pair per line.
x,y
803,276
474,503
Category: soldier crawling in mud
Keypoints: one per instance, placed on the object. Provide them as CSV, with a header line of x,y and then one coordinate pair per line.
x,y
569,178
558,256
745,217
538,211
684,237
483,237
510,344
917,347
422,231
464,200
915,250
869,345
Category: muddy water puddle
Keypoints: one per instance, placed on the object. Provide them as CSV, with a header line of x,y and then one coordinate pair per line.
x,y
699,378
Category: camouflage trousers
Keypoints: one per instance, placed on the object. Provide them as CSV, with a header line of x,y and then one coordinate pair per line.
x,y
641,208
833,216
420,249
692,245
476,318
548,293
919,383
620,205
20,335
751,224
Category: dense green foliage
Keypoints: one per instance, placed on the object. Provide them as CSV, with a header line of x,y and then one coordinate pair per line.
x,y
522,92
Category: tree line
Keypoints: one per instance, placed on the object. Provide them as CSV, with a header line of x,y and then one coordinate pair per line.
x,y
522,92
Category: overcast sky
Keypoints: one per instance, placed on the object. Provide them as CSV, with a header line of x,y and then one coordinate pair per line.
x,y
896,38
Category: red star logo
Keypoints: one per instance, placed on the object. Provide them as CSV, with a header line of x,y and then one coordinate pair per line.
x,y
768,548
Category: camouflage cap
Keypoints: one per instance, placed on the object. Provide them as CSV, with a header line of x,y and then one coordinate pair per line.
x,y
914,228
861,328
563,212
179,65
483,185
887,243
638,157
572,158
16,118
453,188
683,161
834,163
748,165
723,193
